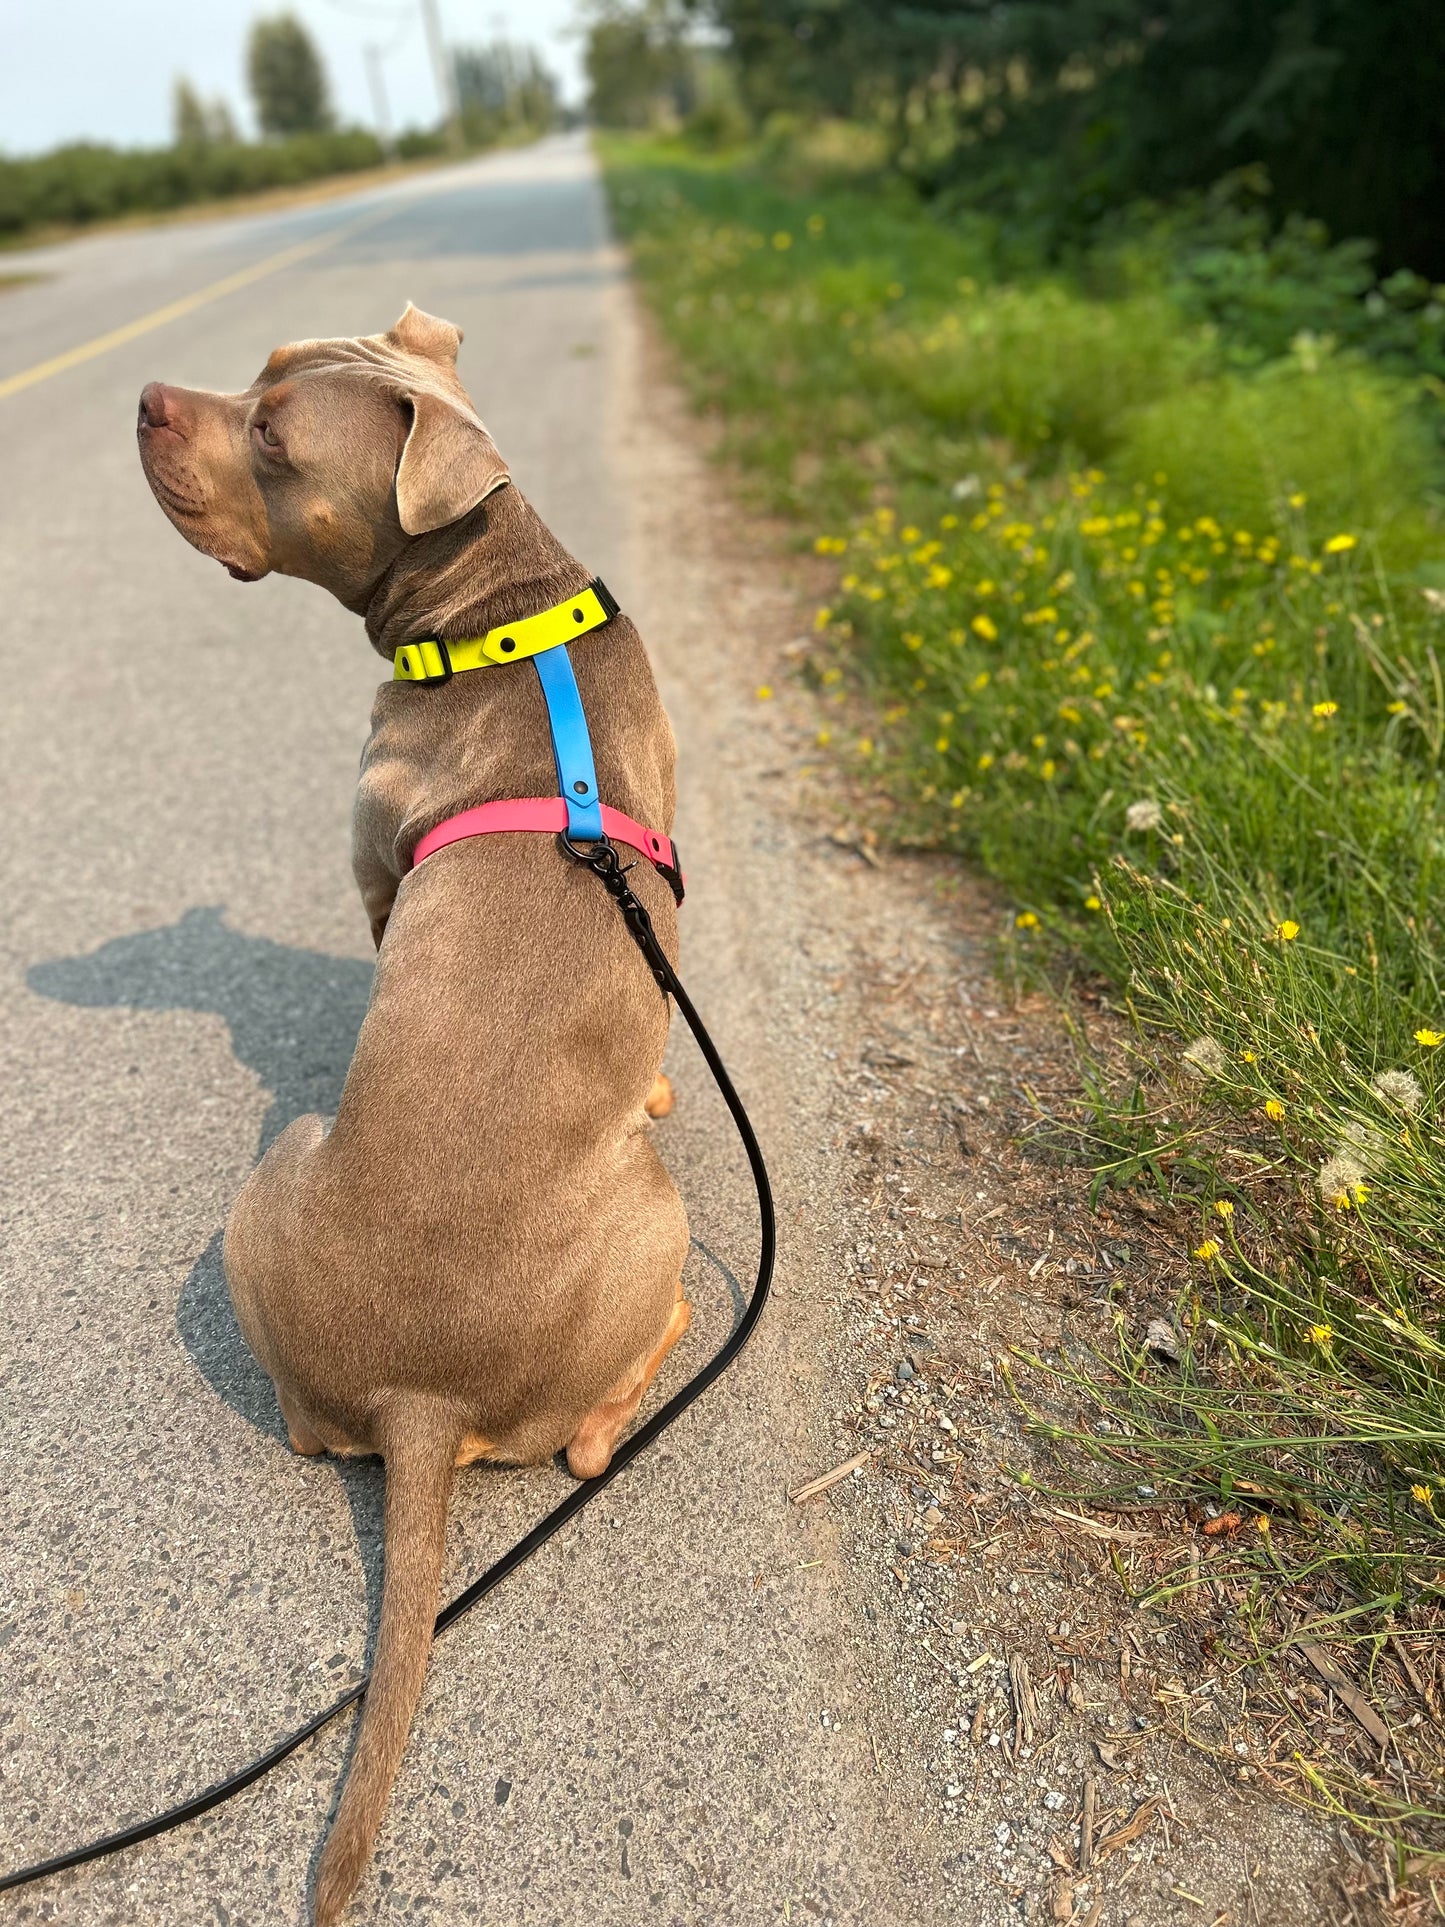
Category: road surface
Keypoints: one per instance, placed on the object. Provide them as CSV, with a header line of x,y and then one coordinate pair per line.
x,y
634,1728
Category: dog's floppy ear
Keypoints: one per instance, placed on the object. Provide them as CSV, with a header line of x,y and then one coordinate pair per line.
x,y
448,464
418,333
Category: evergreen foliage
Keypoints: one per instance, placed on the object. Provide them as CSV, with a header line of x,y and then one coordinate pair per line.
x,y
287,79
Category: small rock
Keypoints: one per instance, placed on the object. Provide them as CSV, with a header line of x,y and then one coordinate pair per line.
x,y
903,1371
1053,1800
1160,1338
933,1517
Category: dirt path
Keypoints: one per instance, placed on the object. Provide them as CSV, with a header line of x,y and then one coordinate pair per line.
x,y
989,1670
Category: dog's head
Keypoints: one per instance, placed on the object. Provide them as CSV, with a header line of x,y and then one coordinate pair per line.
x,y
336,454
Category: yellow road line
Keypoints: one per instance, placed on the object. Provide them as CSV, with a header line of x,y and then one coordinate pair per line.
x,y
173,310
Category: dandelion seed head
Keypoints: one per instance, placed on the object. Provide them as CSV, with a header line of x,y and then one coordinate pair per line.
x,y
1366,1141
1340,1179
1143,815
1402,1088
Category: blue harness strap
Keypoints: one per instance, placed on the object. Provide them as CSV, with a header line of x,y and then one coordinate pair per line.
x,y
571,745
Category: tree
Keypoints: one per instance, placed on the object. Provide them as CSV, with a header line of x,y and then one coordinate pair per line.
x,y
200,123
501,87
639,62
288,82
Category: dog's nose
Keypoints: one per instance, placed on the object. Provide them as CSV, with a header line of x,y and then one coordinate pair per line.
x,y
155,410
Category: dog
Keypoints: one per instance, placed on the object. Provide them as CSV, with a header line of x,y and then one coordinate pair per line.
x,y
481,1257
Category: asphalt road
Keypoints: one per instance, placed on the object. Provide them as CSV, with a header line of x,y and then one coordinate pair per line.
x,y
633,1727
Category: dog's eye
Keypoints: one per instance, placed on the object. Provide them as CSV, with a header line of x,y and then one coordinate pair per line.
x,y
268,435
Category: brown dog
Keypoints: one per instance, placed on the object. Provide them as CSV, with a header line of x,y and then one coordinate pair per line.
x,y
482,1257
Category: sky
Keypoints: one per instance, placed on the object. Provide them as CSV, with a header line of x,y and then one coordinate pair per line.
x,y
104,69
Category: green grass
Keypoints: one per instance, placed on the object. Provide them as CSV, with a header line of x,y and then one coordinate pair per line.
x,y
1154,636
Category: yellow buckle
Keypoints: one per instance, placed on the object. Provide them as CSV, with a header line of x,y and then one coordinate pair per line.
x,y
421,662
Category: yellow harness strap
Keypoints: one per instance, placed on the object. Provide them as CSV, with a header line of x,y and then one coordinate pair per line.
x,y
432,660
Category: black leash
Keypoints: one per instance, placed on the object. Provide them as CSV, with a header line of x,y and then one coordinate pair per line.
x,y
601,859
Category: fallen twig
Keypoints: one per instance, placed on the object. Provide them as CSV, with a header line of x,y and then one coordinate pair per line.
x,y
1346,1692
815,1487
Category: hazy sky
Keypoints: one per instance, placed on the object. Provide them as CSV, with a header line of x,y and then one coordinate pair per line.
x,y
104,69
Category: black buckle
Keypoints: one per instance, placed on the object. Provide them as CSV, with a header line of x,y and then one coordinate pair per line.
x,y
672,875
605,596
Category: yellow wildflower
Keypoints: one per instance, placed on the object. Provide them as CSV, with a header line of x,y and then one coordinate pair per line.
x,y
1261,1523
1430,1038
1287,931
1338,544
1320,1334
782,241
1026,920
1093,903
1325,709
981,626
1423,1494
1273,1108
1224,1207
1208,1250
764,692
986,760
822,618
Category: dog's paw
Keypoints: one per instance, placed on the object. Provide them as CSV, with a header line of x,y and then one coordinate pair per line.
x,y
659,1099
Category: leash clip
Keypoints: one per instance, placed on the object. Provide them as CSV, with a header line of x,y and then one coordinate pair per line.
x,y
601,859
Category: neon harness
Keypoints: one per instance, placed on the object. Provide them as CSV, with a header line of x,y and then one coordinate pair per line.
x,y
576,810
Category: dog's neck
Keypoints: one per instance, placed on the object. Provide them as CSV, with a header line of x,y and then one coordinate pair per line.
x,y
499,563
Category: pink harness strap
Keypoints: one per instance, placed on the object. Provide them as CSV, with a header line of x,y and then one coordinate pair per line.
x,y
549,813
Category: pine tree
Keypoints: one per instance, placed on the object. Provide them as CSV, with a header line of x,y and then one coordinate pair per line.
x,y
288,81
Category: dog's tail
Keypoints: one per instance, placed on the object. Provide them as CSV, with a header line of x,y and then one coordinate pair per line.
x,y
419,1443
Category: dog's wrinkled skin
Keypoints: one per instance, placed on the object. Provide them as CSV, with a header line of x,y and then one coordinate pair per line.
x,y
481,1258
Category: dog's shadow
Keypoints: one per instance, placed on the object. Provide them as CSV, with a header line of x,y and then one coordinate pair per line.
x,y
293,1016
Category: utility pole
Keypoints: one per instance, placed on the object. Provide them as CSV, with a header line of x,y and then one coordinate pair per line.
x,y
442,69
380,108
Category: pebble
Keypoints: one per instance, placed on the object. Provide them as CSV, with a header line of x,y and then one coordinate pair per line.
x,y
1053,1800
933,1517
903,1371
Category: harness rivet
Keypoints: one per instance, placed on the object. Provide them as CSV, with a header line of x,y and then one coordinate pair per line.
x,y
509,643
577,616
581,788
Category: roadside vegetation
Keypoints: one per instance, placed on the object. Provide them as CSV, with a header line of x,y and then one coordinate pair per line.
x,y
502,93
1135,517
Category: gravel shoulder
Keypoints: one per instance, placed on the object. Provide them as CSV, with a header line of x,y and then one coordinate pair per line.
x,y
997,1681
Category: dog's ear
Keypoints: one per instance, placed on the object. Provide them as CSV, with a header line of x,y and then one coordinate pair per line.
x,y
448,463
423,334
